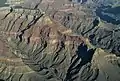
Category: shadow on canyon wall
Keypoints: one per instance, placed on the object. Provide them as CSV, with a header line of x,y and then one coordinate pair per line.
x,y
108,17
84,56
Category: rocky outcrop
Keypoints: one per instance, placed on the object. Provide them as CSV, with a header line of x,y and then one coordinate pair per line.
x,y
44,45
92,29
50,44
83,21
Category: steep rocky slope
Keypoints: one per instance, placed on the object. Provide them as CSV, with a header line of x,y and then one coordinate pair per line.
x,y
43,43
47,41
87,21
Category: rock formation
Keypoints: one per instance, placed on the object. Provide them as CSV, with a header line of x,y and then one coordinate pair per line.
x,y
58,40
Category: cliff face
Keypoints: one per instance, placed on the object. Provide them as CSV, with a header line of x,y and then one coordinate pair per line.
x,y
64,42
100,24
45,46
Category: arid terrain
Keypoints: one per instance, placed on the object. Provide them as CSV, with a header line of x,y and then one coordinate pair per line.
x,y
59,40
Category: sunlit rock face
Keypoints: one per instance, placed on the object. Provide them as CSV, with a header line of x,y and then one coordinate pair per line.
x,y
44,42
58,40
87,21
